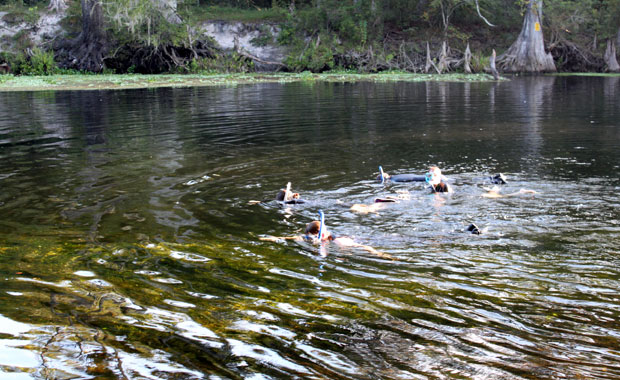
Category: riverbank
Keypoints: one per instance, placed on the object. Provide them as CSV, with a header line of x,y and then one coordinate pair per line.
x,y
133,81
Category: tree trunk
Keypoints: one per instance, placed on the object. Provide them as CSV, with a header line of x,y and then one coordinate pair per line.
x,y
93,36
442,66
610,57
492,66
57,5
427,67
538,4
86,52
467,60
527,53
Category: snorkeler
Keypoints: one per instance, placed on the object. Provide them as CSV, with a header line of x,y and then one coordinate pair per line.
x,y
436,180
498,179
382,177
494,192
380,203
474,229
286,196
316,233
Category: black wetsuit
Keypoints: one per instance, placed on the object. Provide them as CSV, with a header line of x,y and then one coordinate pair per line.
x,y
407,178
295,202
441,187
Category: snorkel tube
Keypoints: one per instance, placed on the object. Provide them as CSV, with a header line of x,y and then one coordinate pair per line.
x,y
287,192
428,177
383,176
321,224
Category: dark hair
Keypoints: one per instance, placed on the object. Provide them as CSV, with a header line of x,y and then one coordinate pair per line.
x,y
313,228
281,194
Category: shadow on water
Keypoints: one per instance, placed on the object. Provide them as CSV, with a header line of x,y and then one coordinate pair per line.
x,y
129,247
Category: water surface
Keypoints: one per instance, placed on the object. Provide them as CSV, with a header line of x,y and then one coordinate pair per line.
x,y
129,247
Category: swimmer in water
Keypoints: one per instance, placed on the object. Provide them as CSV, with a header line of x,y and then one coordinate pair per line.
x,y
436,180
312,235
361,208
498,179
383,177
288,197
380,203
495,193
285,196
474,229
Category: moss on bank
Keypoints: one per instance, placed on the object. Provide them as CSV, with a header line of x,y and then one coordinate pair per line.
x,y
129,81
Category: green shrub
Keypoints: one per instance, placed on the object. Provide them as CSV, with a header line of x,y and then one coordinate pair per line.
x,y
229,63
40,62
479,62
22,40
19,15
311,57
264,38
287,33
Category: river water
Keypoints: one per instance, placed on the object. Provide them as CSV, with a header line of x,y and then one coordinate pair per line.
x,y
130,248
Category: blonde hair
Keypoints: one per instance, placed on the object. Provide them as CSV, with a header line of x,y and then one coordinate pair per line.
x,y
435,173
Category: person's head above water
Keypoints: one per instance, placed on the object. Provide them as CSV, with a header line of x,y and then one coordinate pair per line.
x,y
282,196
385,177
382,177
433,176
312,231
498,179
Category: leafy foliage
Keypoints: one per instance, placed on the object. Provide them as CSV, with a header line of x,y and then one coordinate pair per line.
x,y
143,21
313,56
40,62
233,63
321,34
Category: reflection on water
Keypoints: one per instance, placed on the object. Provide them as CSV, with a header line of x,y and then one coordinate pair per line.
x,y
129,247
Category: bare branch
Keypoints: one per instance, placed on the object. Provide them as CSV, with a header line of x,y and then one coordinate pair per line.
x,y
481,16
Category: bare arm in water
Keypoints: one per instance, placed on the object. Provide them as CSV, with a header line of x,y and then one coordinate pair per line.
x,y
276,238
494,193
348,242
380,203
344,242
366,209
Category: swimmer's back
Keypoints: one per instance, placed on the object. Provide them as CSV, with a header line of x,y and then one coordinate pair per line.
x,y
407,178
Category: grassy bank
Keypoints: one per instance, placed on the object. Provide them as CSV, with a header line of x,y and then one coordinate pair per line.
x,y
129,81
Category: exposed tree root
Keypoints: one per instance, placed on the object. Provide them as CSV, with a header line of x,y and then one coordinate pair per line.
x,y
409,57
86,52
153,60
610,57
569,57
